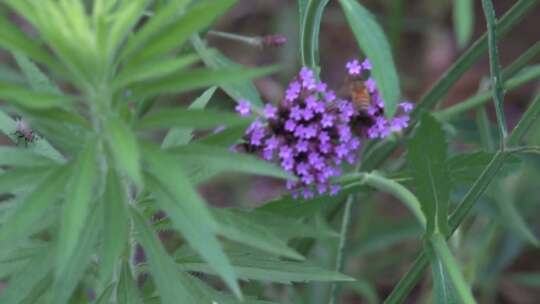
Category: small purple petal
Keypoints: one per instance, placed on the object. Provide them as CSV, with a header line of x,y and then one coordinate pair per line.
x,y
243,108
270,111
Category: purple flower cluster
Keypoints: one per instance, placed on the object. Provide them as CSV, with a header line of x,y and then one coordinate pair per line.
x,y
312,131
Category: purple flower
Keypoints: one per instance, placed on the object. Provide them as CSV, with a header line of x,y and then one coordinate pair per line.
x,y
327,120
285,152
330,96
371,85
302,146
296,113
321,87
293,91
307,114
354,67
311,102
271,143
243,108
310,131
270,111
290,125
302,169
406,106
399,123
366,65
308,78
334,190
324,137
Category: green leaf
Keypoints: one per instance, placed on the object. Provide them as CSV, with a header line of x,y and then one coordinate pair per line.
x,y
467,167
241,227
37,80
12,39
22,179
26,98
261,267
463,21
372,41
125,149
162,18
221,159
33,206
69,273
77,205
197,78
26,279
311,17
225,138
18,157
126,292
244,90
125,18
155,69
222,297
199,16
172,286
115,226
187,211
426,159
450,265
443,288
188,118
105,295
181,136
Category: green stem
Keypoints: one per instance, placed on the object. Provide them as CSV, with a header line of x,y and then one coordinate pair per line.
x,y
495,68
406,284
234,37
442,251
483,98
309,33
340,260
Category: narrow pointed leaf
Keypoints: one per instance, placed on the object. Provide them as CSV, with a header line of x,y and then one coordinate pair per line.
x,y
426,159
187,211
27,98
373,42
197,78
126,292
18,157
115,226
221,159
37,80
256,266
174,35
171,285
77,205
125,149
180,136
186,118
25,215
463,16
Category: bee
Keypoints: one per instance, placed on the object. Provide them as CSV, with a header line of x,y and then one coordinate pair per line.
x,y
24,132
359,94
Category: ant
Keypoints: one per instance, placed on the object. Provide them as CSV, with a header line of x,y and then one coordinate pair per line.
x,y
24,132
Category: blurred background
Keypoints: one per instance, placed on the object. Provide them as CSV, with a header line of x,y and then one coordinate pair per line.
x,y
497,245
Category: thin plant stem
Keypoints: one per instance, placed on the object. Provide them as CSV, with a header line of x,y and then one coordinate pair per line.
x,y
495,68
522,61
340,259
235,37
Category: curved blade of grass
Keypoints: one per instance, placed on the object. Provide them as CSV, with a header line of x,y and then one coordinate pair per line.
x,y
18,157
309,32
372,41
37,80
127,290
